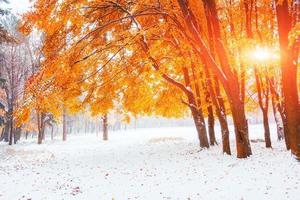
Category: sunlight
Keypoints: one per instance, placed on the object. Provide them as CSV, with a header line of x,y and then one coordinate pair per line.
x,y
261,54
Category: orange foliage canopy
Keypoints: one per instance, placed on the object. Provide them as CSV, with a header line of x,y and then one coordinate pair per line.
x,y
103,54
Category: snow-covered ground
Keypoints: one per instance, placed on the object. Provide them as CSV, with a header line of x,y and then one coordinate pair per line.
x,y
146,164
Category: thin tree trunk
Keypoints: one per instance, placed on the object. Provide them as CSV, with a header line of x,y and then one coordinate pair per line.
x,y
286,132
11,127
40,127
52,136
105,127
64,135
26,135
263,92
267,129
279,128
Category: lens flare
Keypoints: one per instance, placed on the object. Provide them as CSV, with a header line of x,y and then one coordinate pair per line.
x,y
261,54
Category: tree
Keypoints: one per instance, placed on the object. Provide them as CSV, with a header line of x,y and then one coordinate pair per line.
x,y
4,35
289,60
99,55
262,85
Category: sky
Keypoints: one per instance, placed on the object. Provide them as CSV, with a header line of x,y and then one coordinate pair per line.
x,y
18,6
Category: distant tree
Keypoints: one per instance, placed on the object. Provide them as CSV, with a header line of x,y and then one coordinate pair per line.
x,y
13,73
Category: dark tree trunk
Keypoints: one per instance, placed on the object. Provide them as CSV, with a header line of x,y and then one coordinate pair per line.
x,y
105,127
240,129
211,126
225,133
201,130
17,134
40,118
40,136
267,129
26,135
289,77
11,127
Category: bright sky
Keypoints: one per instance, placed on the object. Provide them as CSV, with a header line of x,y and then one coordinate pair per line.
x,y
18,6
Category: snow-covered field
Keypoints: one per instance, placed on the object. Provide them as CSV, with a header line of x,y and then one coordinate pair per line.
x,y
146,164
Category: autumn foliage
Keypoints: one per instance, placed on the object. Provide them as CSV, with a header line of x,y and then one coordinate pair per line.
x,y
166,58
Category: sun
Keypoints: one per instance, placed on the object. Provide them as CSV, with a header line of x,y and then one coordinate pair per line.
x,y
261,54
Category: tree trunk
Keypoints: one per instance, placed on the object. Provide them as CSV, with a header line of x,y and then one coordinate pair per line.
x,y
211,125
52,136
64,135
267,129
105,127
196,111
201,130
289,77
225,133
279,128
11,126
218,102
26,135
40,137
40,127
11,132
263,101
240,128
285,131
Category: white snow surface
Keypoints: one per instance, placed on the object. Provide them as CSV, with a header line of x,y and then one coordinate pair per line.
x,y
146,164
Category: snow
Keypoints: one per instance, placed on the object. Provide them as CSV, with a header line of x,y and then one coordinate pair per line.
x,y
147,164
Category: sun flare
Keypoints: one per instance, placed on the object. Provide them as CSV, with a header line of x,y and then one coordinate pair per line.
x,y
262,54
